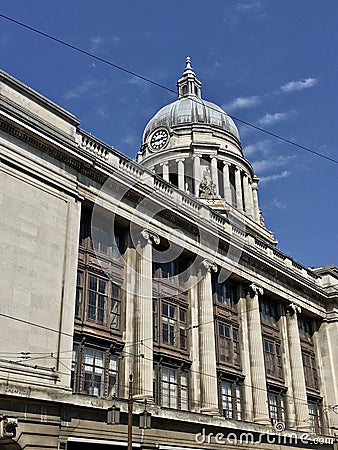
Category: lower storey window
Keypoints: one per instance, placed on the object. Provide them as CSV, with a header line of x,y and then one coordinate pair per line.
x,y
230,393
315,416
276,402
171,387
95,372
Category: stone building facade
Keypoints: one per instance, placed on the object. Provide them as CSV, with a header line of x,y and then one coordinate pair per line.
x,y
160,269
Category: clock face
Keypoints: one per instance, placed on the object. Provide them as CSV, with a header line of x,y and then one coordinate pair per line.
x,y
159,139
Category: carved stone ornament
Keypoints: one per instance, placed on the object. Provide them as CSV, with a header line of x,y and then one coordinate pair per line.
x,y
207,188
210,266
150,236
294,309
255,289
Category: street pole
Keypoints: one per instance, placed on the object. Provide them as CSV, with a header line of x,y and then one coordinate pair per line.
x,y
130,413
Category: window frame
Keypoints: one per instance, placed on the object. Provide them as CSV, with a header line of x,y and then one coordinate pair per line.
x,y
178,389
235,399
100,387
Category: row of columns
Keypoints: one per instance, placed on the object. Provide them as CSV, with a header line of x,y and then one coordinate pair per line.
x,y
245,188
204,381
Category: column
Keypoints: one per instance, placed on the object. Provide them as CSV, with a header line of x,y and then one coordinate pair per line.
x,y
214,173
238,184
226,184
257,366
165,171
197,174
208,374
245,357
180,172
195,383
255,199
297,371
247,196
326,339
143,313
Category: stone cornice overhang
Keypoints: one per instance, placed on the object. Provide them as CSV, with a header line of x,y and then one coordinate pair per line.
x,y
100,170
28,92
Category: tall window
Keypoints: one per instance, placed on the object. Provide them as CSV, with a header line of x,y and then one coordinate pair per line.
x,y
230,394
276,403
315,416
310,370
226,294
97,299
79,295
228,344
172,323
103,300
173,387
273,360
95,372
269,312
115,307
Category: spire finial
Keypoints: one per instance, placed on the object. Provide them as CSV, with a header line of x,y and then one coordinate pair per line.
x,y
188,84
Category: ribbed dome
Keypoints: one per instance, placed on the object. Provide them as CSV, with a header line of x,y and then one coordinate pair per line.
x,y
189,110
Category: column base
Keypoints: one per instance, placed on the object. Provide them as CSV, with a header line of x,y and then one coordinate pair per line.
x,y
262,420
143,398
210,411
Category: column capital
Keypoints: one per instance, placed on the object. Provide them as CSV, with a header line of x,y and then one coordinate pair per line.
x,y
180,160
293,309
210,266
150,236
254,289
165,163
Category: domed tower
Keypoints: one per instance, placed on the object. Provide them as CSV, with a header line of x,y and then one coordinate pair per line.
x,y
195,145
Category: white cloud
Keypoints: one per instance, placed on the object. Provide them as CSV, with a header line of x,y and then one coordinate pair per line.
x,y
245,6
268,163
269,178
242,103
299,85
95,43
130,139
79,89
263,146
269,119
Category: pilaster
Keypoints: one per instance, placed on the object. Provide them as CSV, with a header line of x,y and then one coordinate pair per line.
x,y
257,365
143,367
208,374
297,370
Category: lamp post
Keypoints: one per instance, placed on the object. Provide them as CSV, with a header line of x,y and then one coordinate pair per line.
x,y
130,413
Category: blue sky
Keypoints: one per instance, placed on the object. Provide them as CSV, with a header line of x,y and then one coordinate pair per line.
x,y
268,62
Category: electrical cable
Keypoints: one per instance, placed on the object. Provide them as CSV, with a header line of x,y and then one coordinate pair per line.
x,y
148,80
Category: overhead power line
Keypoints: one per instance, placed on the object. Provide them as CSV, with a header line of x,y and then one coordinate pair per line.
x,y
148,80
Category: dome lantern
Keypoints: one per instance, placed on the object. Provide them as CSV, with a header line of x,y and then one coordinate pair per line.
x,y
188,84
195,145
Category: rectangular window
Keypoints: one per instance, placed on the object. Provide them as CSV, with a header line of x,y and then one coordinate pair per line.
x,y
315,416
174,388
97,299
115,308
268,312
273,360
183,329
228,342
276,403
226,294
79,295
94,372
310,370
231,400
169,323
155,320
